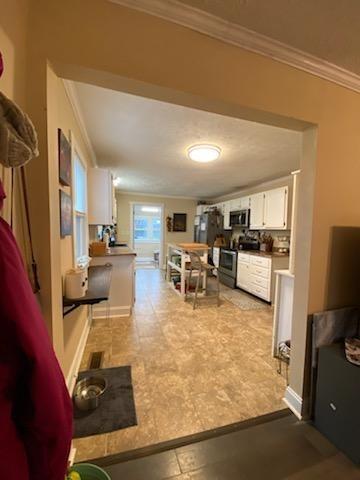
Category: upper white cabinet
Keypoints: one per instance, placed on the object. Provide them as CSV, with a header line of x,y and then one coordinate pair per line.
x,y
235,205
241,203
269,210
275,208
226,213
100,197
244,203
257,211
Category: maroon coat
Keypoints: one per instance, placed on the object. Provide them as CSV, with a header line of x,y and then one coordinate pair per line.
x,y
35,407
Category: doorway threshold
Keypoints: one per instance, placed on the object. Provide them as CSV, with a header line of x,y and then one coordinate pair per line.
x,y
182,441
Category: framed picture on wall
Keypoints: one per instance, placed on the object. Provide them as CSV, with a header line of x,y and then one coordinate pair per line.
x,y
64,150
66,220
179,222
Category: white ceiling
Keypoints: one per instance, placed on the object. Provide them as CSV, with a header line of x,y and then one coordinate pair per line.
x,y
144,142
328,29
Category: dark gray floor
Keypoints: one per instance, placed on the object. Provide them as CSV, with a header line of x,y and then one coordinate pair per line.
x,y
276,450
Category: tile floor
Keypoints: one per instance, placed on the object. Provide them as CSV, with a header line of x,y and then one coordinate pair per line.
x,y
192,370
284,449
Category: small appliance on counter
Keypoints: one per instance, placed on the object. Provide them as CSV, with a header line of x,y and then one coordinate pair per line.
x,y
76,282
248,244
283,244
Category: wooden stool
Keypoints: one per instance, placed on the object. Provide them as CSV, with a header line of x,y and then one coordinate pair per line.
x,y
200,267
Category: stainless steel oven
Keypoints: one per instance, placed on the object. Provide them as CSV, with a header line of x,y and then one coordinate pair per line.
x,y
240,218
227,267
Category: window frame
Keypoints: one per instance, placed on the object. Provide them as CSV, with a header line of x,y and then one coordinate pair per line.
x,y
148,229
76,153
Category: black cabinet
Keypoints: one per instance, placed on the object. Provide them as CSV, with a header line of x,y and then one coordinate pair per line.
x,y
337,403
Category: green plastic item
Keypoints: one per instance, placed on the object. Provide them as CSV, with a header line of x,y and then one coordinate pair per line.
x,y
87,471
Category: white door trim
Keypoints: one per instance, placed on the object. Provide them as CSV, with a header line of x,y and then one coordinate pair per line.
x,y
235,34
75,364
294,402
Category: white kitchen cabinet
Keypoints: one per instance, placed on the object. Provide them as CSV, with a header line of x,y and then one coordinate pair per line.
x,y
243,272
255,273
240,203
244,203
100,197
235,204
226,213
276,208
257,211
269,210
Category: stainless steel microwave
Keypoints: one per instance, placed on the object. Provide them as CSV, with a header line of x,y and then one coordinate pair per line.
x,y
240,218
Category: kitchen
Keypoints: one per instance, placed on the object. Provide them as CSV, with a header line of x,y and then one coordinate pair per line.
x,y
214,365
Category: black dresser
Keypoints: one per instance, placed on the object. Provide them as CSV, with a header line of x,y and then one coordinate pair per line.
x,y
337,403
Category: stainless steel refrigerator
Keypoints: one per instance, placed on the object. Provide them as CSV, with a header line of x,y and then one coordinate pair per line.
x,y
207,227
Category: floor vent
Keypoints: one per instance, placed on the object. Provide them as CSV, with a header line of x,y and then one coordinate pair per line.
x,y
96,360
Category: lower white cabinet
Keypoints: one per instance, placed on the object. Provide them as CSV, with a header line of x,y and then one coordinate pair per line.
x,y
243,276
255,273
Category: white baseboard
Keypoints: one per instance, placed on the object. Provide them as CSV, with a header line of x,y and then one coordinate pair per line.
x,y
75,365
104,312
294,402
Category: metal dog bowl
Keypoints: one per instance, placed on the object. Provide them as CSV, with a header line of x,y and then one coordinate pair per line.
x,y
88,391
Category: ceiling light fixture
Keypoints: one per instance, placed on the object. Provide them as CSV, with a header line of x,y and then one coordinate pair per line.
x,y
204,153
116,181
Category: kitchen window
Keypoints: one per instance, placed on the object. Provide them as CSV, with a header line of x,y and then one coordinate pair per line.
x,y
80,212
147,228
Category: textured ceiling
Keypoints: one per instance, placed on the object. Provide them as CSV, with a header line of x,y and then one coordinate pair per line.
x,y
144,142
328,29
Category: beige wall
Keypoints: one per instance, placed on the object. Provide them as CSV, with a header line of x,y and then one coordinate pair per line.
x,y
13,46
171,206
74,323
124,49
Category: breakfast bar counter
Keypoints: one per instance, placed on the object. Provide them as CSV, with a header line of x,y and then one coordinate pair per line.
x,y
122,289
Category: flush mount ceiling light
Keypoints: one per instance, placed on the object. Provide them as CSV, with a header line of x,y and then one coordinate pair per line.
x,y
116,181
204,153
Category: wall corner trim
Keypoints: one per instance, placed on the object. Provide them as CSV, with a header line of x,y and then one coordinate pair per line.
x,y
74,101
75,365
235,34
294,402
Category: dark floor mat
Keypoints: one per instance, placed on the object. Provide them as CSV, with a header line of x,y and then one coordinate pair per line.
x,y
117,406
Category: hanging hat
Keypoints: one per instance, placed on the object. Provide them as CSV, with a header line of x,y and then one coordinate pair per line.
x,y
18,139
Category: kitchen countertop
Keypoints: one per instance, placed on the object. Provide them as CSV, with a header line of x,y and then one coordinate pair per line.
x,y
117,251
190,246
258,253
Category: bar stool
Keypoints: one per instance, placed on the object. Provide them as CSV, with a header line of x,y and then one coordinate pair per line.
x,y
200,267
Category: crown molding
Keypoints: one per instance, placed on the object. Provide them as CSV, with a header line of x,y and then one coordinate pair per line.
x,y
74,101
247,190
155,195
229,32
